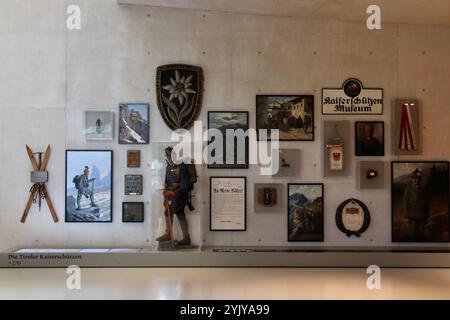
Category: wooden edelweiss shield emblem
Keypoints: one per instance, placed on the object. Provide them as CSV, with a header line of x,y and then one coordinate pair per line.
x,y
179,91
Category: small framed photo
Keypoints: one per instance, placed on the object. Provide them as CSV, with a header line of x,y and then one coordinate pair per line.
x,y
133,158
133,185
99,125
134,124
305,212
132,212
292,115
369,138
267,197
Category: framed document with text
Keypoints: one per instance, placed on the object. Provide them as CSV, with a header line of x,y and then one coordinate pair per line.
x,y
228,203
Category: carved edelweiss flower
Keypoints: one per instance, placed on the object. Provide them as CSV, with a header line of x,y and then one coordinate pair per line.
x,y
179,87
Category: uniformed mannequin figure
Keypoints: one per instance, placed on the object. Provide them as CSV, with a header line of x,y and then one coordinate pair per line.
x,y
416,205
176,197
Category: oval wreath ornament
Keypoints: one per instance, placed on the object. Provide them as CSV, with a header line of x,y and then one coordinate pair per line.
x,y
352,217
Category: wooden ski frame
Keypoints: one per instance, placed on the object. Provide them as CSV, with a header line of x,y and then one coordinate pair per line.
x,y
39,191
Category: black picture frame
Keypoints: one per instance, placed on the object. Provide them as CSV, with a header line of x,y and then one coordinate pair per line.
x,y
395,238
231,166
126,191
211,178
322,213
66,220
141,207
311,99
340,223
382,152
119,125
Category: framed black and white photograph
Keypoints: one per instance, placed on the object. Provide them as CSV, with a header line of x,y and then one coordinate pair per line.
x,y
305,212
237,121
228,203
132,212
134,123
133,185
369,138
292,115
420,201
89,177
99,125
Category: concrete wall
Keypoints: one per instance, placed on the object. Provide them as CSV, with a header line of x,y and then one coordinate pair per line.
x,y
49,76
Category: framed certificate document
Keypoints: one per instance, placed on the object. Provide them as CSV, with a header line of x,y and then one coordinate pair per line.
x,y
228,203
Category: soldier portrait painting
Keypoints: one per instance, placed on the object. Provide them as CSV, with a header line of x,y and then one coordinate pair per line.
x,y
420,201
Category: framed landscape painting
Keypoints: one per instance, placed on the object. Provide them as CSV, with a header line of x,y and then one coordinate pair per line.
x,y
420,201
292,115
305,212
234,121
89,185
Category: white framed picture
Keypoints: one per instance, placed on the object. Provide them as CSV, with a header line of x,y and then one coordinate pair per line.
x,y
99,125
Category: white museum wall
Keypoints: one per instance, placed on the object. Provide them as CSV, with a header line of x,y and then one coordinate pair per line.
x,y
50,76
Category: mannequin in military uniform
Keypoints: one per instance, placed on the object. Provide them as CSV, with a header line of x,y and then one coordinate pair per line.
x,y
176,197
416,205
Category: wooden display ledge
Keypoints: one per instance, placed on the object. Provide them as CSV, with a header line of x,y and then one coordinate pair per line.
x,y
394,257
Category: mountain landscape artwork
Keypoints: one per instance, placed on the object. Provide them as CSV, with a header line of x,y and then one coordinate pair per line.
x,y
223,121
305,212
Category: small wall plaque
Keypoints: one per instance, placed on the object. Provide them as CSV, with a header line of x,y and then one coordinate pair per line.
x,y
133,185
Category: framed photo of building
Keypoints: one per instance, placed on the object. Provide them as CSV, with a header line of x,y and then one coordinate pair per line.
x,y
133,158
99,125
89,177
369,138
228,203
292,115
305,212
223,156
133,185
132,212
134,124
420,201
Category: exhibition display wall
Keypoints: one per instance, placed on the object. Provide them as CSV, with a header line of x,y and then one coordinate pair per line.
x,y
52,76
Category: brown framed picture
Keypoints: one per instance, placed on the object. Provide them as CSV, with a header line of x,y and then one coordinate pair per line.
x,y
133,158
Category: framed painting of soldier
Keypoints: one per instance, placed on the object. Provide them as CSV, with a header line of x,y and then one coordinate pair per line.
x,y
420,201
292,115
88,177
